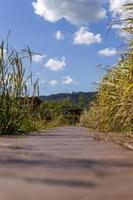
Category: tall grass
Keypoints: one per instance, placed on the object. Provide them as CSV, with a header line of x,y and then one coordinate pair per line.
x,y
15,115
113,108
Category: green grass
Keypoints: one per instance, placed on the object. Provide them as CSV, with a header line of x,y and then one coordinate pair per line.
x,y
14,77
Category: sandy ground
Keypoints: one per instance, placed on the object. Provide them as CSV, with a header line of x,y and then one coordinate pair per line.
x,y
64,164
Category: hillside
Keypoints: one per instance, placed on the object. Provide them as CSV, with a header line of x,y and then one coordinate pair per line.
x,y
74,96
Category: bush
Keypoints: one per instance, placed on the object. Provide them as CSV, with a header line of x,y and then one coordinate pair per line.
x,y
60,113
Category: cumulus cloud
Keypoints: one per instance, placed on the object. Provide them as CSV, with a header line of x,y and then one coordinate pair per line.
x,y
116,6
53,82
38,58
107,52
77,11
83,36
67,80
55,64
117,10
59,35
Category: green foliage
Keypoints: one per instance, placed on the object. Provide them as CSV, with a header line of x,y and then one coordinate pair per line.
x,y
74,97
14,115
113,108
63,112
18,114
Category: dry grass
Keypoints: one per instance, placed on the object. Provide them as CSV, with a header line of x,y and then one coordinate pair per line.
x,y
113,109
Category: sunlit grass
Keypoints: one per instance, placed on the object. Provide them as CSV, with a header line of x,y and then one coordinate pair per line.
x,y
113,109
14,77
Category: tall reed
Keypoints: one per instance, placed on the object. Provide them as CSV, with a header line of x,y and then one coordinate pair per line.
x,y
113,108
15,115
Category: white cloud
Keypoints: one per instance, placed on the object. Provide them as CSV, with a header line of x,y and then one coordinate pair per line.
x,y
42,81
116,26
59,35
83,36
53,82
55,64
38,58
67,80
116,7
78,12
107,52
120,13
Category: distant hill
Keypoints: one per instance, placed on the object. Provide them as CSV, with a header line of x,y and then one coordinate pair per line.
x,y
74,96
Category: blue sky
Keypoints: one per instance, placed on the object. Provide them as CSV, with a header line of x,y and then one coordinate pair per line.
x,y
72,37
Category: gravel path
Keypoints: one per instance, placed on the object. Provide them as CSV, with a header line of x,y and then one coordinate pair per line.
x,y
64,164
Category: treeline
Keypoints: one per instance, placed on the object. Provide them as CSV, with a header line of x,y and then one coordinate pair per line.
x,y
75,97
113,108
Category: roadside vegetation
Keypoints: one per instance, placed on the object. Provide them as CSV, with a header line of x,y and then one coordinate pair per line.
x,y
112,111
16,111
21,108
61,112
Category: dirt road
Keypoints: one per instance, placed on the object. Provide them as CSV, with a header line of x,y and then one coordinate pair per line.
x,y
64,164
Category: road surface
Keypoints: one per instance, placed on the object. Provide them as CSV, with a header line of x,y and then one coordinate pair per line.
x,y
64,164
